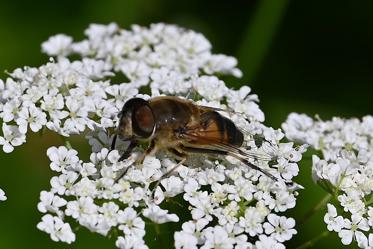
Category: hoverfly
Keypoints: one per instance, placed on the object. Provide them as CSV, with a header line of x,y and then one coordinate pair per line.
x,y
180,127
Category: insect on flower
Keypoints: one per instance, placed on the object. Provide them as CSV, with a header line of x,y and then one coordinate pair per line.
x,y
180,127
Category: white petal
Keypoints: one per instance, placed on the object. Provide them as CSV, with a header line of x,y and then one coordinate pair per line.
x,y
346,236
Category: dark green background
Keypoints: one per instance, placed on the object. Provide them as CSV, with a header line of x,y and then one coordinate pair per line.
x,y
304,56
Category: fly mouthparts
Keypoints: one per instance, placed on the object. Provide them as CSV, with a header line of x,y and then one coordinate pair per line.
x,y
112,147
114,141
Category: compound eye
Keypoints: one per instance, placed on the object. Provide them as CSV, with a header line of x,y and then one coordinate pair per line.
x,y
143,121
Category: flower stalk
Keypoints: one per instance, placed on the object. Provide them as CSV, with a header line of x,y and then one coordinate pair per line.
x,y
320,205
312,242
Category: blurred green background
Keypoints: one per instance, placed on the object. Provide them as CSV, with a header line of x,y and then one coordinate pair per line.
x,y
304,56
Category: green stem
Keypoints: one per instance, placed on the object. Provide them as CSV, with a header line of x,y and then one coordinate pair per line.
x,y
157,229
314,240
316,208
68,144
259,35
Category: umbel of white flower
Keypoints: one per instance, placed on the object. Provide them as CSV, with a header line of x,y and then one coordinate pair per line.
x,y
227,204
346,171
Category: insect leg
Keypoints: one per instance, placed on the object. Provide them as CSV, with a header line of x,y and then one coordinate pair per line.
x,y
220,152
129,149
168,173
149,151
182,156
113,142
177,153
126,155
140,160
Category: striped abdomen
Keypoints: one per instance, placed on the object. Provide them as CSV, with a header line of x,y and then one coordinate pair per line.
x,y
215,127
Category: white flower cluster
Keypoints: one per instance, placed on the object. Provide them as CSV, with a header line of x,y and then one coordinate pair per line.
x,y
67,97
228,204
346,171
137,52
62,96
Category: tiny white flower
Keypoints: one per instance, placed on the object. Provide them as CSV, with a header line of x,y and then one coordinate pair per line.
x,y
190,189
280,228
206,83
191,234
244,188
12,137
217,237
203,206
83,206
173,186
242,243
63,183
54,104
334,222
57,45
151,166
109,211
229,213
31,116
158,215
121,93
58,230
78,113
131,223
252,222
99,31
62,158
352,227
10,109
185,240
284,200
85,187
222,63
2,195
50,202
135,70
265,242
352,203
286,169
130,242
297,127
